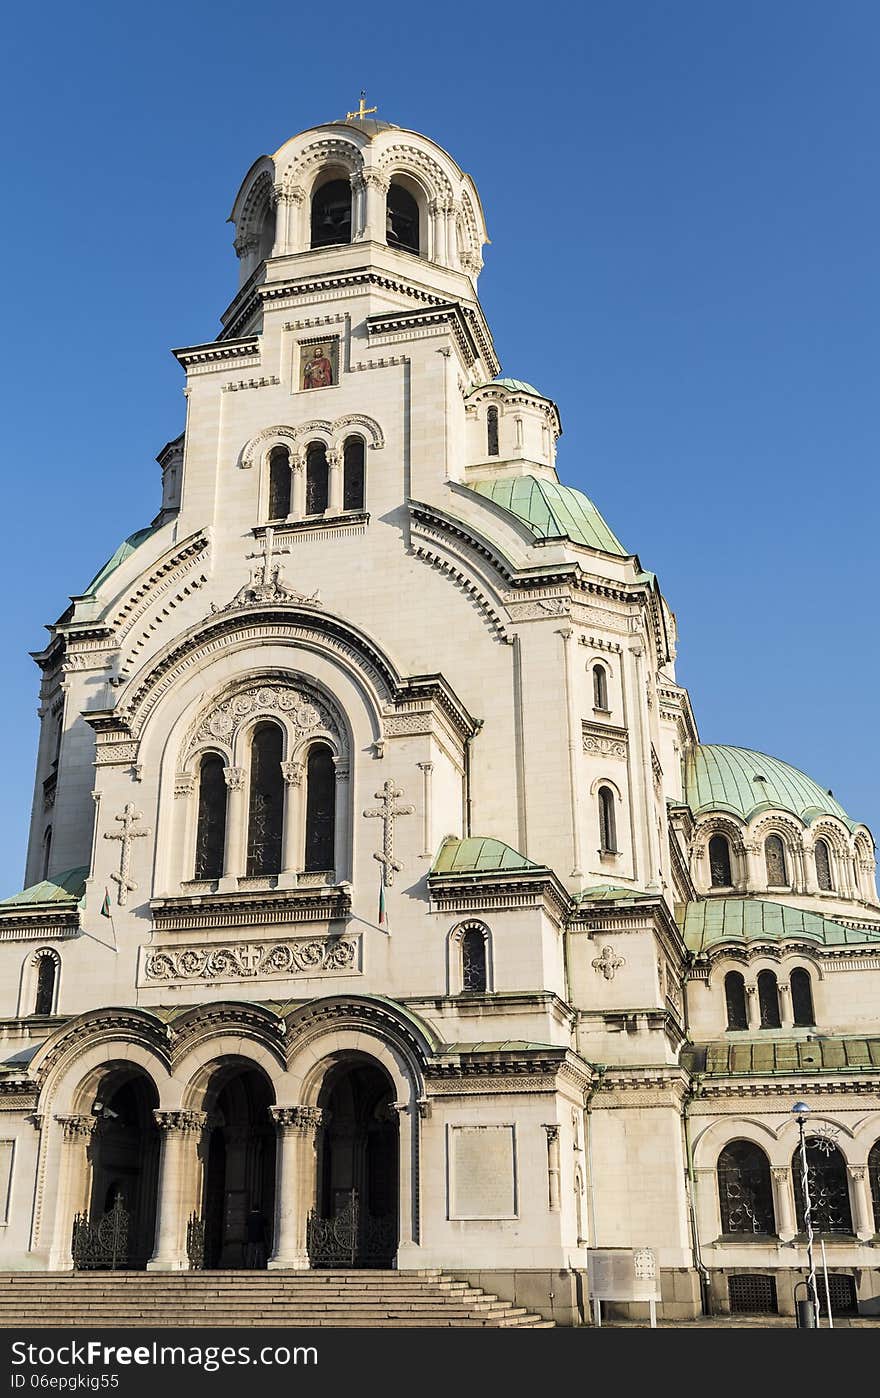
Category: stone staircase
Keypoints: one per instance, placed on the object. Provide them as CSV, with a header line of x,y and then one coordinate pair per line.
x,y
344,1299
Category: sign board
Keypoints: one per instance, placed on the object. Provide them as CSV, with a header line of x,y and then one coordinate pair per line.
x,y
622,1274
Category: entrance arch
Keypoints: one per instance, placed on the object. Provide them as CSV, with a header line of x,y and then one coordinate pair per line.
x,y
119,1224
355,1220
238,1157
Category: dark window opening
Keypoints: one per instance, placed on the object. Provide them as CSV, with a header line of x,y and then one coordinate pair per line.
x,y
279,484
492,432
874,1180
768,1000
317,479
320,810
823,866
751,1294
744,1190
473,960
735,996
600,687
353,475
211,822
331,214
266,817
607,822
774,856
719,862
402,220
801,997
47,970
828,1186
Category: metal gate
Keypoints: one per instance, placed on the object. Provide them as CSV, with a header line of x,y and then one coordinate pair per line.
x,y
351,1238
102,1243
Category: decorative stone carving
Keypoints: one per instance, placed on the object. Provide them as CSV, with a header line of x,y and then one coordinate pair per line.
x,y
234,778
292,772
305,711
249,960
601,740
184,784
303,1120
387,812
77,1128
180,1120
607,963
265,583
128,818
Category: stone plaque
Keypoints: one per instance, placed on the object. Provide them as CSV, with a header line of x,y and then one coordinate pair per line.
x,y
482,1172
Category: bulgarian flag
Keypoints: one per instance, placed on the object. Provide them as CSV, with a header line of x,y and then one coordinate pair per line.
x,y
105,906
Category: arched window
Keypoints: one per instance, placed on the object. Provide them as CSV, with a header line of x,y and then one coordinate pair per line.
x,y
473,960
768,1000
279,483
211,822
47,974
744,1190
267,233
607,821
317,479
735,998
600,688
320,809
331,214
402,219
492,432
266,812
823,865
874,1181
828,1186
47,850
353,474
801,997
719,862
774,857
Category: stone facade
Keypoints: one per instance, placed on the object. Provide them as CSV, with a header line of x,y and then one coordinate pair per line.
x,y
366,876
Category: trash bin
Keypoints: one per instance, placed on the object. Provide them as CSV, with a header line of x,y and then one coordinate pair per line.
x,y
806,1314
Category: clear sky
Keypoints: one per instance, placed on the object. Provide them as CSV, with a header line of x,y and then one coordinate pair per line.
x,y
683,201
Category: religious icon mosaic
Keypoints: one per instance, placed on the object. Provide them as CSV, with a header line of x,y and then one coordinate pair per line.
x,y
319,364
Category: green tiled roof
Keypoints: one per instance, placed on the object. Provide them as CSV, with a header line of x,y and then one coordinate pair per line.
x,y
552,511
813,1055
515,385
61,888
478,855
721,778
126,548
606,892
714,920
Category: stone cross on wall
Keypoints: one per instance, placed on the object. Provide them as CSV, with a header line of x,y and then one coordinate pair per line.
x,y
387,812
124,884
267,572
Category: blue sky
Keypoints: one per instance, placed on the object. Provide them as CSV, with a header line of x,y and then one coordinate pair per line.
x,y
683,203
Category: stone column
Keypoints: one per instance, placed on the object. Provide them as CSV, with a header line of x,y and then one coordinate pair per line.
x,y
295,1184
186,811
236,816
178,1186
438,221
553,1166
427,769
291,849
786,1014
298,493
783,1202
341,841
334,495
861,1202
753,1009
73,1186
375,188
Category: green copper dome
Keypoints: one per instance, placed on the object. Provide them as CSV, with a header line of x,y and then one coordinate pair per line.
x,y
514,385
126,548
552,511
721,778
478,854
712,920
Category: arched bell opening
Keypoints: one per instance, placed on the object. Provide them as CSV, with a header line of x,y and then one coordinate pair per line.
x,y
119,1228
355,1222
238,1203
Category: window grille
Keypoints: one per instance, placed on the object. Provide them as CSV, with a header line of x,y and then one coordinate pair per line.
x,y
752,1294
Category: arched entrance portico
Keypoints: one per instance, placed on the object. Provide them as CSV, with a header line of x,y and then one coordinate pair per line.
x,y
238,1157
355,1219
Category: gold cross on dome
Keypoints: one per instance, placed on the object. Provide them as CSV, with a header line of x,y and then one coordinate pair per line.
x,y
363,110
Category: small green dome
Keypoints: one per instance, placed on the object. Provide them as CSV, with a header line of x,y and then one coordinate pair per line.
x,y
126,548
721,778
552,511
514,385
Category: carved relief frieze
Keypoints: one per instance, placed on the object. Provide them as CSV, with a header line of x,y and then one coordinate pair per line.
x,y
253,960
603,740
303,709
267,381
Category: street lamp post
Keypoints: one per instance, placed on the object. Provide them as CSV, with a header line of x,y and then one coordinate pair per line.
x,y
801,1111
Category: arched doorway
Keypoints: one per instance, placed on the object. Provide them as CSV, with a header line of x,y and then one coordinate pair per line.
x,y
355,1222
119,1227
239,1168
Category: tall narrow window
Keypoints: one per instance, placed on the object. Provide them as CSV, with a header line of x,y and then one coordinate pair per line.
x,y
279,483
600,688
768,1000
317,479
801,997
735,998
211,822
320,809
828,1186
719,862
47,971
402,219
774,857
473,960
823,865
744,1189
353,474
607,822
47,850
266,814
331,214
874,1180
492,431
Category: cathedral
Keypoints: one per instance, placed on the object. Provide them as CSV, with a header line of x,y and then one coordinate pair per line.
x,y
379,887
